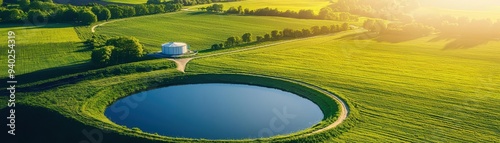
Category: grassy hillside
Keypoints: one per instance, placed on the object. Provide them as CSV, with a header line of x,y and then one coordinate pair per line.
x,y
412,91
49,46
200,30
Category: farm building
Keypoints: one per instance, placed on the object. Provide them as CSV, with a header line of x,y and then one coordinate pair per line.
x,y
174,48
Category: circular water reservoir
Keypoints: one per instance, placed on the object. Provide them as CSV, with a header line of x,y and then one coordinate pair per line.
x,y
215,111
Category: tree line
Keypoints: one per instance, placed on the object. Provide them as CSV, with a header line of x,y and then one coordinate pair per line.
x,y
197,2
398,28
324,14
284,34
462,26
45,11
400,11
383,9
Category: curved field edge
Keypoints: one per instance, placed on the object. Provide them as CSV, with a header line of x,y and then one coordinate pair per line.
x,y
90,98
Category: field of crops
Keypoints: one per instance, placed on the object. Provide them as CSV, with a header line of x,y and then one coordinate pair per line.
x,y
404,92
45,47
200,30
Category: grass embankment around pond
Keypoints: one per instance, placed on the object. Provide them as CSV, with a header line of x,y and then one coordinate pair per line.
x,y
83,103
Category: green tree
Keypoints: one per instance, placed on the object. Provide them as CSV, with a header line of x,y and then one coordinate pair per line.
x,y
215,47
116,12
128,11
154,2
87,17
287,33
102,13
259,38
102,56
12,15
267,37
306,14
70,15
326,13
316,30
126,49
215,8
233,41
247,37
37,16
306,32
297,33
325,30
141,9
345,26
24,3
275,34
240,10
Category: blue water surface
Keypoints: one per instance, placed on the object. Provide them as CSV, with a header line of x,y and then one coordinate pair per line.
x,y
215,111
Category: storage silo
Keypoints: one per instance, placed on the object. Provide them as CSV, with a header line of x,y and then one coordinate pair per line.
x,y
174,48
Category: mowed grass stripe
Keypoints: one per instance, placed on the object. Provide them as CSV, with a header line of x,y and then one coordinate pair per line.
x,y
404,91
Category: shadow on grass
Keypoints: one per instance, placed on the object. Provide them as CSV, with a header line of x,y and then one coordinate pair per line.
x,y
199,13
465,43
37,124
453,41
84,47
53,72
462,42
380,37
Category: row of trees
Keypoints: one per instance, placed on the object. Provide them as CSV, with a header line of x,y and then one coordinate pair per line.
x,y
286,33
462,26
384,9
400,10
404,29
42,11
196,2
325,13
116,51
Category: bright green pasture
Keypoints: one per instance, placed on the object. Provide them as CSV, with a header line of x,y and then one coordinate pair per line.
x,y
412,91
39,48
200,30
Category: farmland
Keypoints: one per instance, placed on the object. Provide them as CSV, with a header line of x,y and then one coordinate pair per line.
x,y
403,92
45,47
200,30
427,88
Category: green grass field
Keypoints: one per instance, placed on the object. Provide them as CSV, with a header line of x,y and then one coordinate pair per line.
x,y
39,48
404,92
200,30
